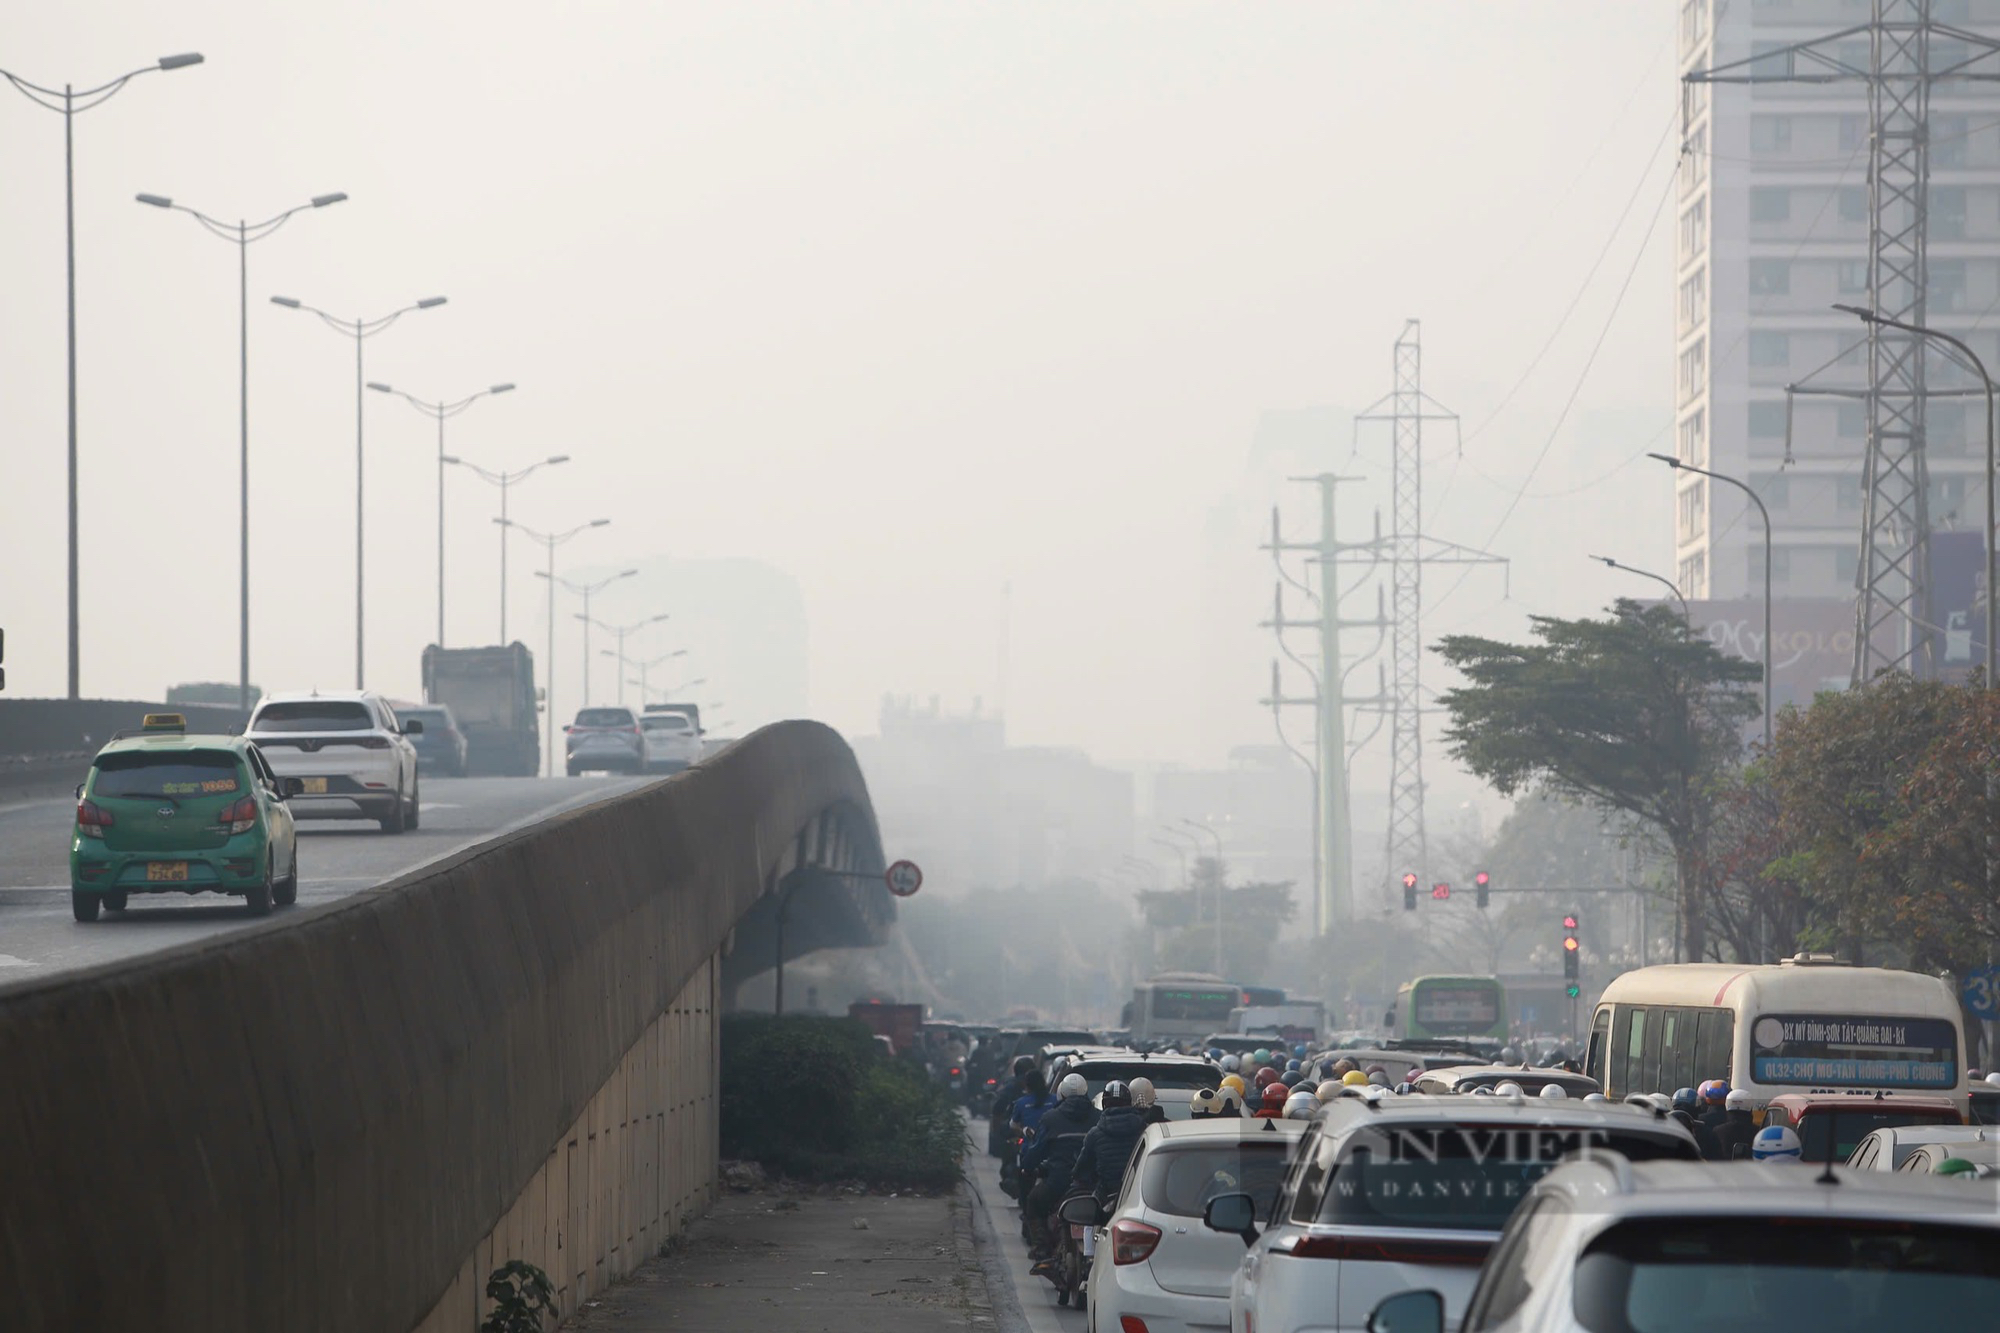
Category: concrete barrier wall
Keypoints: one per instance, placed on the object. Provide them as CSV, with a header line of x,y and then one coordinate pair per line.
x,y
312,1124
637,1166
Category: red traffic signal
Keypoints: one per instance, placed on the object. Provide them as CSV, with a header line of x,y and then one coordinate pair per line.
x,y
1440,892
1410,879
1569,923
1482,879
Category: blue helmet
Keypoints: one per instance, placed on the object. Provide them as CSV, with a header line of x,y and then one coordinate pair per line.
x,y
1685,1099
1294,1066
1776,1143
1290,1078
1215,1052
1299,1049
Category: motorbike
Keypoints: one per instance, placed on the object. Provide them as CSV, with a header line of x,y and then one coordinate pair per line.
x,y
1075,1216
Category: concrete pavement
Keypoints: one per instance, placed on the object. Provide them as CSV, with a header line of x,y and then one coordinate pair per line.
x,y
336,858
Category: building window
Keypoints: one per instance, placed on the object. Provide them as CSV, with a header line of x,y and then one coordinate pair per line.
x,y
1947,213
1694,575
1948,141
1855,55
1693,511
1770,349
1770,134
1694,298
1947,285
1773,488
1847,495
1853,277
1767,420
1853,133
1693,438
1853,203
1694,368
1947,498
1846,560
1850,421
1770,203
1781,565
1770,60
1694,229
1944,427
1772,277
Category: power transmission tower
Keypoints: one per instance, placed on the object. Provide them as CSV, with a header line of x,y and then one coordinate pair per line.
x,y
1333,860
1409,550
1893,623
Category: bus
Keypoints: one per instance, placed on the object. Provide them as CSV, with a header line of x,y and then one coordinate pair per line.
x,y
1428,1007
1807,1024
1181,1006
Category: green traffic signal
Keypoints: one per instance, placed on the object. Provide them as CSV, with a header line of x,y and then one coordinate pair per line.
x,y
1573,990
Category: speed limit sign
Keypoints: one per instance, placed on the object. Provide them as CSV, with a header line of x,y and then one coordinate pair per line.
x,y
904,878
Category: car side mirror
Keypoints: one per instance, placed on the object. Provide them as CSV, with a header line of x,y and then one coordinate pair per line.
x,y
290,787
413,728
1408,1312
1235,1214
79,791
1081,1210
567,728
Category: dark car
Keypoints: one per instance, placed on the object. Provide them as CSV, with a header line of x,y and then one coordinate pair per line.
x,y
441,745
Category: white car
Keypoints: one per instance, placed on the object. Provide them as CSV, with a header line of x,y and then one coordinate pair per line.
x,y
1156,1263
351,754
1888,1149
672,741
1607,1245
1399,1192
1175,1078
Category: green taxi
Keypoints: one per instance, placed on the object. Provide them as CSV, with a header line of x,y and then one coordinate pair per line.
x,y
166,812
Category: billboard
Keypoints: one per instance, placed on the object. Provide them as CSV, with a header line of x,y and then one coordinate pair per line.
x,y
1812,641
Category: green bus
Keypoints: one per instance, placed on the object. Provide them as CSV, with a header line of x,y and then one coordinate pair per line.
x,y
1451,1007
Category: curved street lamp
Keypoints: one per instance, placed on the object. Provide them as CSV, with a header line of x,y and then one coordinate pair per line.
x,y
442,411
1662,579
504,480
241,234
621,631
551,540
68,103
587,591
360,330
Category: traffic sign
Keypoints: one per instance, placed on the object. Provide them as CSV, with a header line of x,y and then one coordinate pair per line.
x,y
1980,991
904,878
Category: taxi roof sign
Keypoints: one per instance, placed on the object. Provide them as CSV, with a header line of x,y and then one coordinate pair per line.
x,y
165,722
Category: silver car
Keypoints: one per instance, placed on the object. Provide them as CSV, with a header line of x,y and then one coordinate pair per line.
x,y
605,740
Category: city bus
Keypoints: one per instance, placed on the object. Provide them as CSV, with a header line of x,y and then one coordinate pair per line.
x,y
1181,1006
1807,1024
1428,1007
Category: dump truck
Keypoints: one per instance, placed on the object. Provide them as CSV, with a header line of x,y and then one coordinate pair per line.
x,y
491,692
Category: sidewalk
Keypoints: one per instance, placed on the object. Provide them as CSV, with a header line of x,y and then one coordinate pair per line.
x,y
789,1261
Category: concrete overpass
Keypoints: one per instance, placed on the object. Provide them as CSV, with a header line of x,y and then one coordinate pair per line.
x,y
344,1119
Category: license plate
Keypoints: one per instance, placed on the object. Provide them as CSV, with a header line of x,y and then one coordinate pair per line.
x,y
161,872
313,786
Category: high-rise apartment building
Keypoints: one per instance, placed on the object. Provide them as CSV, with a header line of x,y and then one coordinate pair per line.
x,y
1773,225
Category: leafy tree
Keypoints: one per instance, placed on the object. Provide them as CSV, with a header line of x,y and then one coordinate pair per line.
x,y
1631,713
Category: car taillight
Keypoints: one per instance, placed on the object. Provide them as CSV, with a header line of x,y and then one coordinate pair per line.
x,y
956,1071
92,819
1132,1242
1131,1323
241,817
374,742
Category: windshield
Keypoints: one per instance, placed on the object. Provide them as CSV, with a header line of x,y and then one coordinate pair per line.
x,y
1467,1177
1181,1180
1668,1275
314,715
434,719
1466,1007
1176,1004
604,717
1846,1129
666,722
177,773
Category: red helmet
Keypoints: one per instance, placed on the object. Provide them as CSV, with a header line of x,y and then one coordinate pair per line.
x,y
1266,1076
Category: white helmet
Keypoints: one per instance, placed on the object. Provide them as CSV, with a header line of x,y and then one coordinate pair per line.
x,y
1231,1063
1207,1102
1553,1092
1595,1097
1737,1100
1508,1089
1328,1090
1142,1092
1300,1106
1776,1143
1072,1085
1993,1079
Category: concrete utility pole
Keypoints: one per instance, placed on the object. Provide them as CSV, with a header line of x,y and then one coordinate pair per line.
x,y
1409,550
1894,626
1333,891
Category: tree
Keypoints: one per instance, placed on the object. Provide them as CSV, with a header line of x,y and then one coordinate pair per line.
x,y
1631,713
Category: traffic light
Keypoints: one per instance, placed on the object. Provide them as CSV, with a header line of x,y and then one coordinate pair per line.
x,y
1480,882
1572,947
1409,891
1440,893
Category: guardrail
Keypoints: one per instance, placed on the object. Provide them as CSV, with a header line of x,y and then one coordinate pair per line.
x,y
313,1123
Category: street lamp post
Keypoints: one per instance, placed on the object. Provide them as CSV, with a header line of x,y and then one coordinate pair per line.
x,y
620,631
1680,466
442,411
1867,316
645,669
504,480
586,591
68,102
551,540
241,234
360,330
1669,584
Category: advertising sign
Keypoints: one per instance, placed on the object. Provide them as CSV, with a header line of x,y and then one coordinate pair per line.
x,y
1812,645
1854,1051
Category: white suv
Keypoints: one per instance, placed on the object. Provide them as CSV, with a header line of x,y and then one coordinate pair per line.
x,y
1607,1245
1391,1193
349,750
672,739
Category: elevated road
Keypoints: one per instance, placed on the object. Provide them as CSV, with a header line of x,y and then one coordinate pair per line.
x,y
336,858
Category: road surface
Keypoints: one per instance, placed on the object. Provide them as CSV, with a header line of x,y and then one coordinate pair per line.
x,y
38,936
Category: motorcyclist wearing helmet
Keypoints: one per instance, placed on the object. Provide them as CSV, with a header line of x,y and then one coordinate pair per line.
x,y
1003,1106
1053,1152
1107,1149
1738,1129
1206,1104
1271,1104
1230,1103
1147,1099
1714,1095
1776,1143
1300,1106
1034,1102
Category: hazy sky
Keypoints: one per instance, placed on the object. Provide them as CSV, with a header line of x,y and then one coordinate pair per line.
x,y
913,301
